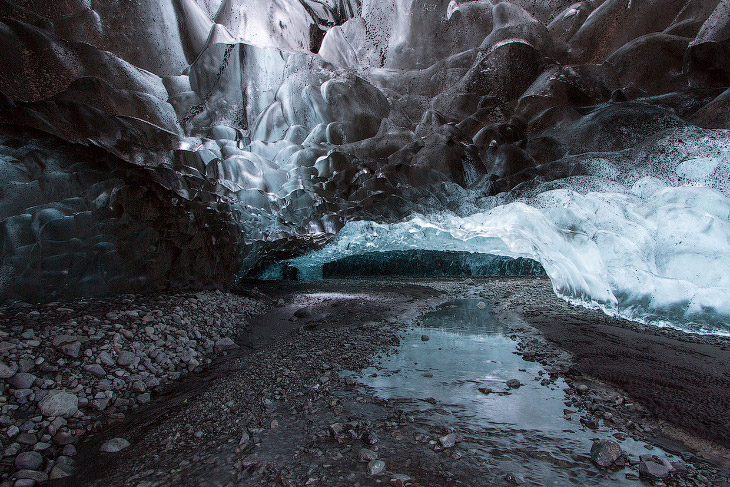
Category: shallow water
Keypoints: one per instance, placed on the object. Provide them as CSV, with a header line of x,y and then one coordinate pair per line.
x,y
521,430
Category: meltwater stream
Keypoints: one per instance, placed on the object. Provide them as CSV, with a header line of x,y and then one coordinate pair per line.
x,y
524,430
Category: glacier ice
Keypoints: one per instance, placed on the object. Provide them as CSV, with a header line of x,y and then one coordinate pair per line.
x,y
592,137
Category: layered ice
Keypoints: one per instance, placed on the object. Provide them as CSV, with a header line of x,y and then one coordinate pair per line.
x,y
193,140
658,254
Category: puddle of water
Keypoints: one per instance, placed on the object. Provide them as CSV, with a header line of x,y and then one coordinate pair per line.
x,y
524,429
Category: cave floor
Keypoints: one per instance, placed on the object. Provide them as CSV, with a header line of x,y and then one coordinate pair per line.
x,y
323,374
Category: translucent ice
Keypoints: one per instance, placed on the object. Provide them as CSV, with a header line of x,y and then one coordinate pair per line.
x,y
661,257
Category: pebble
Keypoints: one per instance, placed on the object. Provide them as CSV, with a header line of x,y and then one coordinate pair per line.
x,y
29,460
114,445
59,403
22,380
80,359
399,479
376,467
7,371
653,469
366,455
605,453
448,441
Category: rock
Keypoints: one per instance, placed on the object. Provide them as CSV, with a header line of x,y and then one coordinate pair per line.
x,y
225,344
7,371
369,438
514,384
24,483
59,403
114,445
60,471
72,349
337,430
63,438
27,439
39,477
448,441
29,460
69,450
652,469
582,388
12,431
96,370
125,358
22,380
106,359
425,338
605,453
302,313
481,305
59,340
365,455
376,467
513,479
399,479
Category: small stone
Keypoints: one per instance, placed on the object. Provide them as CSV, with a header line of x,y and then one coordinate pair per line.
x,y
22,380
376,467
106,359
12,431
39,477
29,460
72,349
582,388
369,438
59,403
481,305
7,370
514,384
96,370
337,430
302,313
605,453
114,445
399,479
365,455
654,470
63,438
425,338
69,450
60,471
448,441
125,358
225,344
513,479
245,438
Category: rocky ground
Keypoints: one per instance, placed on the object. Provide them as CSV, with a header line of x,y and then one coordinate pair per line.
x,y
277,409
70,368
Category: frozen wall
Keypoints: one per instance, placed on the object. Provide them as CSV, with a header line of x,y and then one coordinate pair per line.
x,y
598,129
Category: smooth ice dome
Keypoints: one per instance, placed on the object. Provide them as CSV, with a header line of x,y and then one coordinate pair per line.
x,y
189,143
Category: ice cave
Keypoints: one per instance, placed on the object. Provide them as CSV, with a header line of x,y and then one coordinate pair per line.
x,y
364,242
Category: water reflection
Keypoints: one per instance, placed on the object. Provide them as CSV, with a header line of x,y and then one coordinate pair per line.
x,y
456,357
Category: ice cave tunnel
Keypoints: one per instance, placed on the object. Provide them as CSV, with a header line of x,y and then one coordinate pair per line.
x,y
178,144
167,146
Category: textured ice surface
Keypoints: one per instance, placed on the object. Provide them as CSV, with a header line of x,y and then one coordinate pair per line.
x,y
663,255
177,143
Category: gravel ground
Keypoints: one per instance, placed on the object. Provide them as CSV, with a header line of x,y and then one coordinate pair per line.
x,y
70,368
274,409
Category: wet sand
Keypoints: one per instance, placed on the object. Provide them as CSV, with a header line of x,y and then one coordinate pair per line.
x,y
680,378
